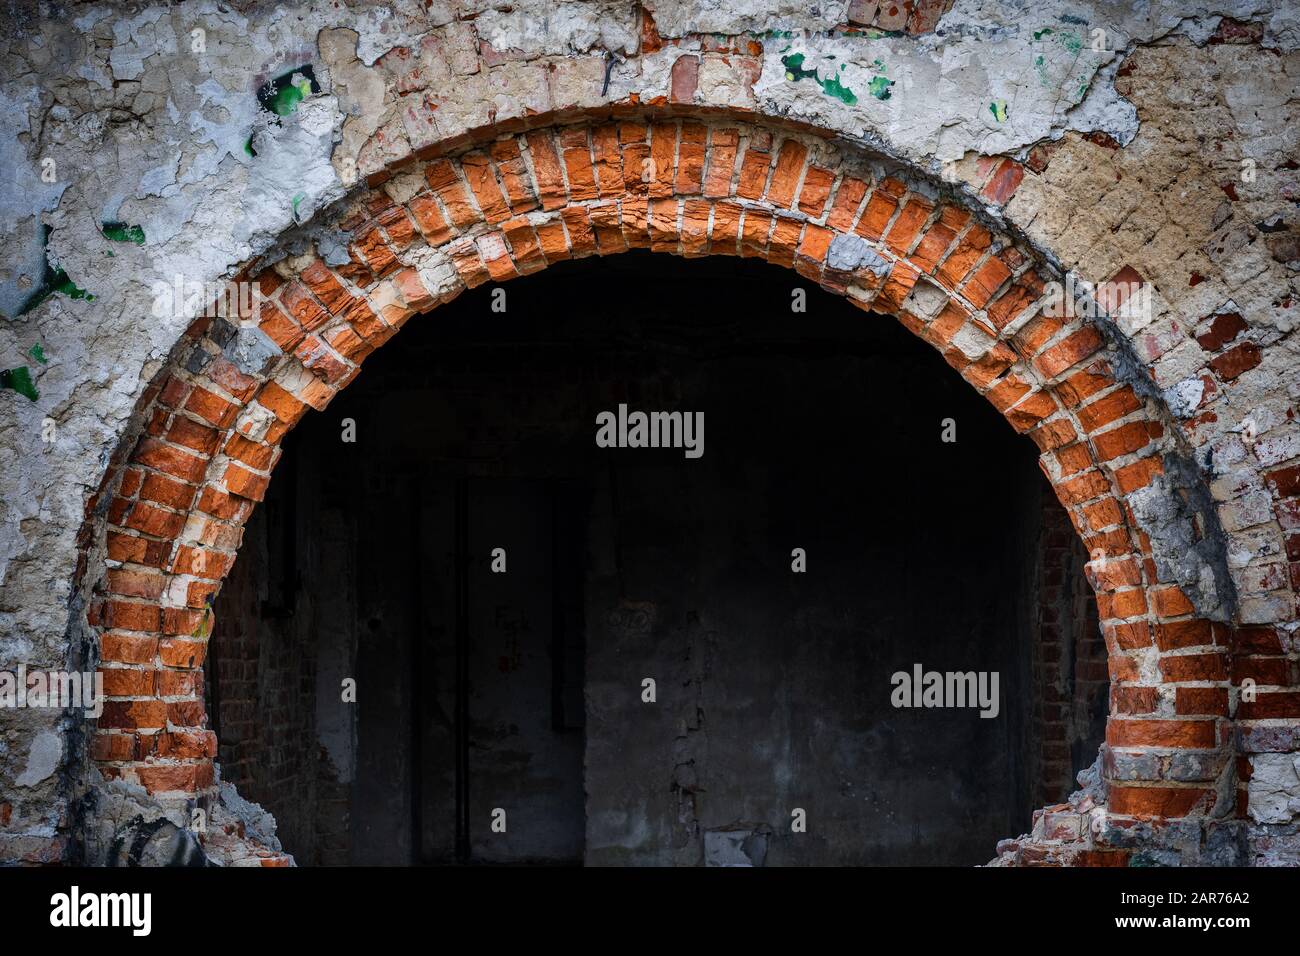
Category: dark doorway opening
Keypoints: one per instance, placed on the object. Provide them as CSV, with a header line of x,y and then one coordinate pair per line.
x,y
501,716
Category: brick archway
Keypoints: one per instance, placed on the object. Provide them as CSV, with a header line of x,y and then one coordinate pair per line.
x,y
172,506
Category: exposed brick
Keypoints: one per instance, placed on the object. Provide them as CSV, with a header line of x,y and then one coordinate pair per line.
x,y
1155,801
785,177
1220,330
430,220
1237,360
1124,440
174,461
478,171
1194,667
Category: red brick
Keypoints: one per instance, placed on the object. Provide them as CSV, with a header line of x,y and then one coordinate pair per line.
x,y
722,163
1154,801
127,681
690,160
137,584
430,220
127,648
281,403
582,178
179,652
1160,733
663,148
322,283
1271,706
187,744
684,78
298,301
1004,182
1171,602
483,184
1180,634
988,278
880,209
168,491
753,174
1236,361
960,261
1221,330
816,190
785,178
1139,474
1208,701
173,461
848,197
194,435
181,777
133,715
442,178
211,407
608,161
1134,700
282,330
240,481
907,226
514,175
1194,667
1124,440
254,454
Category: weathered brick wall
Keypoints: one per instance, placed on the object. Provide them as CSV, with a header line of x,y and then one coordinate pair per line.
x,y
262,691
974,163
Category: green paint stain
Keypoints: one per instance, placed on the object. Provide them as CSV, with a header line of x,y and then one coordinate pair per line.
x,y
1072,42
794,71
999,110
1039,34
121,232
20,380
69,288
297,199
248,147
38,353
1042,70
879,87
833,87
53,280
794,67
282,95
877,65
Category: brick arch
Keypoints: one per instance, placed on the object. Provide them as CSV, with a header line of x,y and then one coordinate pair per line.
x,y
209,427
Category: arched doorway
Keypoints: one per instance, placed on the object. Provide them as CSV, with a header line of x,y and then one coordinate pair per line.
x,y
849,512
510,205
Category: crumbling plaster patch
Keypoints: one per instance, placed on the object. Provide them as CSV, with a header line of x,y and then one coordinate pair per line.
x,y
1274,788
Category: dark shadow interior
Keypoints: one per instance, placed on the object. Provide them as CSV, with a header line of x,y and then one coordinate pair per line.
x,y
499,716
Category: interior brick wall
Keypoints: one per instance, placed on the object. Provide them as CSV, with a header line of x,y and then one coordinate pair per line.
x,y
1070,673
